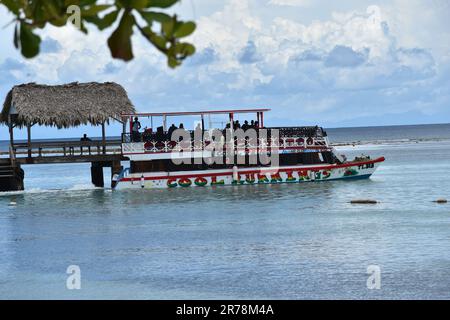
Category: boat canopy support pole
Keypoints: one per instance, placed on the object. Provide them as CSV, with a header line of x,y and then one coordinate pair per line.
x,y
29,140
11,131
104,137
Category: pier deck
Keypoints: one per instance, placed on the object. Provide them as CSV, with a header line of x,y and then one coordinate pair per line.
x,y
64,152
99,153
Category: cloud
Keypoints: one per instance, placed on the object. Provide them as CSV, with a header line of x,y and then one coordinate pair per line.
x,y
14,71
249,54
50,45
206,56
355,65
292,3
345,57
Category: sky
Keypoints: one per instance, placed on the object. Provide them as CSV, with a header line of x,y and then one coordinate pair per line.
x,y
331,63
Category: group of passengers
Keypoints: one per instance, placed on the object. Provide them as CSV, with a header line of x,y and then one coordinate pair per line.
x,y
246,126
160,135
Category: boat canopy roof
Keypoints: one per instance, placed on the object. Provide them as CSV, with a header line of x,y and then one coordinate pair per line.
x,y
194,113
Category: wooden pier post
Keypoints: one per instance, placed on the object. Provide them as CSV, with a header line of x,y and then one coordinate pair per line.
x,y
97,174
11,178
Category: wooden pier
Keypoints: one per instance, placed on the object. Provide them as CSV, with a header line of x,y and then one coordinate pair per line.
x,y
62,106
99,154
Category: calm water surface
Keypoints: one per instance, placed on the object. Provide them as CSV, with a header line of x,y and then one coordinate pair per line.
x,y
250,242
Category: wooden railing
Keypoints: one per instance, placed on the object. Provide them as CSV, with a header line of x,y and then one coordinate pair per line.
x,y
66,148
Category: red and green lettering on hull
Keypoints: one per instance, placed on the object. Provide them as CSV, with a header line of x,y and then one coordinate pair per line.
x,y
262,178
350,172
303,175
201,182
290,177
250,177
185,183
276,178
172,183
215,182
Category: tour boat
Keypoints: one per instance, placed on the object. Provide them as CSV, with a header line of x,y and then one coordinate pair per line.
x,y
246,154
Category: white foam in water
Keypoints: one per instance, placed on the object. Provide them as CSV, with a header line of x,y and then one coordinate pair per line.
x,y
83,187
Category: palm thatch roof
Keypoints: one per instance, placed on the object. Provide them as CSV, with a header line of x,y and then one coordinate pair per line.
x,y
64,106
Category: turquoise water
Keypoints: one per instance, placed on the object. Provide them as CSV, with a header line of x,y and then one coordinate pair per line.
x,y
296,241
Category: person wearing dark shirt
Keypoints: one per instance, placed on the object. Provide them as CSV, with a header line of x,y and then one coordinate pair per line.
x,y
245,126
135,130
85,139
171,130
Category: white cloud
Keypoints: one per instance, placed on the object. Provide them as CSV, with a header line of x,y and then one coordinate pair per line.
x,y
292,3
358,63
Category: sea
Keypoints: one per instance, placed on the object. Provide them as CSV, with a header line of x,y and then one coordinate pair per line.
x,y
64,239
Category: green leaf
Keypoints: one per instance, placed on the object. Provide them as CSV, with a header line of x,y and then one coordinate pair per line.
x,y
158,41
105,22
29,42
134,4
160,17
162,3
120,41
172,62
184,30
53,12
168,27
94,10
185,49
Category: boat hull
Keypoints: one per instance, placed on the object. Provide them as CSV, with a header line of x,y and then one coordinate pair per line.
x,y
250,176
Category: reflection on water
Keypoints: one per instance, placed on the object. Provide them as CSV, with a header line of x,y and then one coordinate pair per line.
x,y
280,241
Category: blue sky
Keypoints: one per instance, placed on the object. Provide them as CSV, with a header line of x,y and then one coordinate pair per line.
x,y
332,63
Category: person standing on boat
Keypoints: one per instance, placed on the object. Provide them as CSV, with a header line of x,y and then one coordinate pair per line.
x,y
245,126
171,130
136,136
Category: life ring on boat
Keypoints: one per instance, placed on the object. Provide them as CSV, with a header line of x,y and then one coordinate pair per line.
x,y
185,182
326,174
200,182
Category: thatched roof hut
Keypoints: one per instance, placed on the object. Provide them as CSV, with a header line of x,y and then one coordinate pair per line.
x,y
65,106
